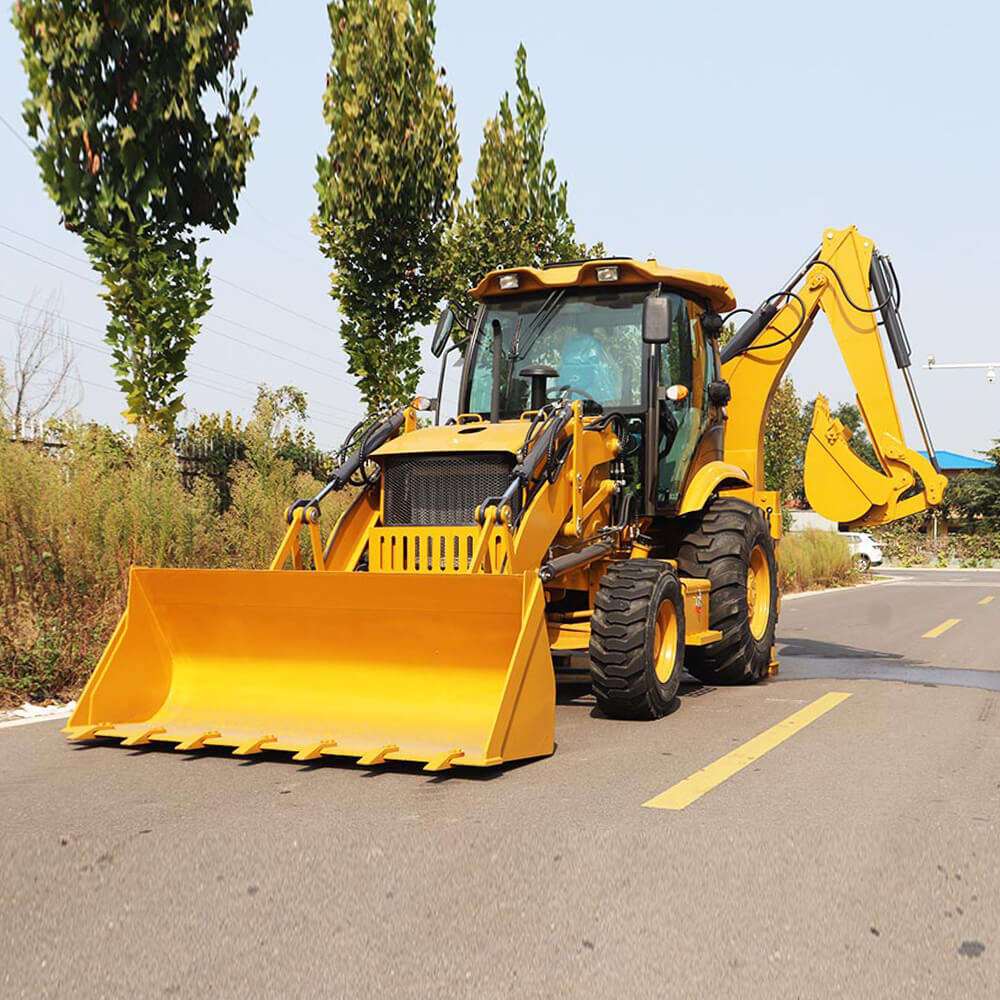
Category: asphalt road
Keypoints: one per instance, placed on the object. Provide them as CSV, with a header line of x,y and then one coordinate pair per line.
x,y
858,858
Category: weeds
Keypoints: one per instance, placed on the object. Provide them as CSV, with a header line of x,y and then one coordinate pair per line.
x,y
74,520
809,560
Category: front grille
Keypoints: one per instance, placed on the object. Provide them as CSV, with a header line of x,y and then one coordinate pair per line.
x,y
431,489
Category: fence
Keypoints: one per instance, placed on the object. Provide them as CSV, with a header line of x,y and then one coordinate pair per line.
x,y
212,460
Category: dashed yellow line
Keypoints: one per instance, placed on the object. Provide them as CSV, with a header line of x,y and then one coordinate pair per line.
x,y
941,629
687,791
986,600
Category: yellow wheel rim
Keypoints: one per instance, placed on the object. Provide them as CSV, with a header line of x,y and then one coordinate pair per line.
x,y
665,648
758,592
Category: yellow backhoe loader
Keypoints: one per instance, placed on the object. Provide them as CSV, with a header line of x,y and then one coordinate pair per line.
x,y
601,491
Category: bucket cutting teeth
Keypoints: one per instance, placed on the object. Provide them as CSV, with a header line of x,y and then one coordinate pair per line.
x,y
254,746
314,751
443,760
137,739
198,742
377,756
86,732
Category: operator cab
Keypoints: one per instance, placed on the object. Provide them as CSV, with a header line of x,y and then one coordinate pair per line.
x,y
583,332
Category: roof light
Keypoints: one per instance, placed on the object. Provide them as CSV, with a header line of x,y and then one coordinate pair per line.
x,y
508,281
609,273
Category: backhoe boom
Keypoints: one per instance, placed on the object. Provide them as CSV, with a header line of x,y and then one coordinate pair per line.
x,y
838,278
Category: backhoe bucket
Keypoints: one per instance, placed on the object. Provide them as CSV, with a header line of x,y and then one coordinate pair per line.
x,y
443,669
839,485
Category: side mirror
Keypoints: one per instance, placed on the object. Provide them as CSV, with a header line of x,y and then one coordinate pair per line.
x,y
656,319
442,332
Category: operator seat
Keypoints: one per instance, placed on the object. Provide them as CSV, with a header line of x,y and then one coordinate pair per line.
x,y
587,366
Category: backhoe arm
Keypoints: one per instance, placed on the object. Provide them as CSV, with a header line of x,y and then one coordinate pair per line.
x,y
854,285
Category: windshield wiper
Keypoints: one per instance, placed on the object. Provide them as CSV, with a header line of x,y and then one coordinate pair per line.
x,y
538,323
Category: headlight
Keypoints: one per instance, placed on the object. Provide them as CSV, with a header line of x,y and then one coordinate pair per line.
x,y
508,281
608,273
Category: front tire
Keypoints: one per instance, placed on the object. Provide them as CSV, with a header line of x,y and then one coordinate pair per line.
x,y
732,548
637,639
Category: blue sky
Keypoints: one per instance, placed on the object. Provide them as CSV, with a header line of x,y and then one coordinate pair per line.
x,y
720,136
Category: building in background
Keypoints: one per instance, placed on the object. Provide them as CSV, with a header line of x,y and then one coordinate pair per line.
x,y
952,464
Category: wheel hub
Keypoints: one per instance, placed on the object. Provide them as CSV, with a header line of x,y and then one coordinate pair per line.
x,y
665,642
758,592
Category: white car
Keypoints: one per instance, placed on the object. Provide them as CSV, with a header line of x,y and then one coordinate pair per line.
x,y
866,551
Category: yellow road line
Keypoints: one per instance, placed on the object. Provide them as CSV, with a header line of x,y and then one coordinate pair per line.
x,y
687,791
986,600
940,629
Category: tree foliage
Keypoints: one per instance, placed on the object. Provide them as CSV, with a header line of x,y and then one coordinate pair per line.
x,y
156,292
517,213
134,159
975,496
783,441
386,186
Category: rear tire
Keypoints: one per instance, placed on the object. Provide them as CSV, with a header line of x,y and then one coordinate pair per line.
x,y
733,549
637,639
863,563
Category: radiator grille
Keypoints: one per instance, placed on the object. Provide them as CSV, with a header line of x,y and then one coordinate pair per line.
x,y
426,490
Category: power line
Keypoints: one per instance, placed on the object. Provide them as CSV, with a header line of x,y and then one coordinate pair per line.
x,y
208,368
337,425
48,246
278,305
209,329
42,260
224,281
17,135
215,314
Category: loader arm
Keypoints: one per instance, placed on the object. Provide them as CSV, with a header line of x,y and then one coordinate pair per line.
x,y
839,279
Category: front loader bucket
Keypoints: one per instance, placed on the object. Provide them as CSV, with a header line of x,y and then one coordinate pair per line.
x,y
443,669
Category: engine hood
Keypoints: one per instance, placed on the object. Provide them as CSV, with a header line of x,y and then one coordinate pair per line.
x,y
507,435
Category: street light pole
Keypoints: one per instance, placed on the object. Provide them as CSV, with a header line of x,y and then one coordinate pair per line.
x,y
990,366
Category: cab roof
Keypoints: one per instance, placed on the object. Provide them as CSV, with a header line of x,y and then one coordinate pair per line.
x,y
583,274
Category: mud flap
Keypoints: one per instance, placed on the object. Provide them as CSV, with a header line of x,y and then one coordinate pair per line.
x,y
442,669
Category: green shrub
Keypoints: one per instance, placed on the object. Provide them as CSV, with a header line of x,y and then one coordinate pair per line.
x,y
809,560
968,545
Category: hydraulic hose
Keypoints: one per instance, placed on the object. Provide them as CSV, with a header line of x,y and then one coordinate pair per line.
x,y
373,440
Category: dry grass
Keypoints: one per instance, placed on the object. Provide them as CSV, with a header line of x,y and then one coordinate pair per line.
x,y
810,560
72,523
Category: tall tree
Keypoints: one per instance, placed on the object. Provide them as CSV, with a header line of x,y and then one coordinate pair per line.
x,y
135,160
517,213
783,441
387,186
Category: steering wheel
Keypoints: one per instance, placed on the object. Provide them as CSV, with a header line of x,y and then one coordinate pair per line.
x,y
582,392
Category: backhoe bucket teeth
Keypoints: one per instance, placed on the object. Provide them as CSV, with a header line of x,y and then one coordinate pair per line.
x,y
442,669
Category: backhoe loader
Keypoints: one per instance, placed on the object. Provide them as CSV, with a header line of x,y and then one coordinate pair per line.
x,y
600,494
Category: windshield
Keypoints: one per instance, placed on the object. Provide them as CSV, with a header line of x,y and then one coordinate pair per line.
x,y
592,338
